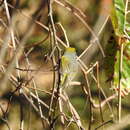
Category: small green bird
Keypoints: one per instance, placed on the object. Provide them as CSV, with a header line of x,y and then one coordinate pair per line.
x,y
69,67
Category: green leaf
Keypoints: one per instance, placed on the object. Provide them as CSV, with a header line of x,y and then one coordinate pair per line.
x,y
125,79
118,17
120,24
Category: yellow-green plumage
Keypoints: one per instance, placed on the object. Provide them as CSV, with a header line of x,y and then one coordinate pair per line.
x,y
69,66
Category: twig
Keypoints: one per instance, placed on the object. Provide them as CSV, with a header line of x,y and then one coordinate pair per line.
x,y
15,83
53,42
99,92
37,96
90,100
11,33
122,125
40,90
120,77
4,117
7,124
39,104
61,108
29,116
103,103
16,56
82,17
107,99
85,51
104,123
75,115
84,68
21,117
55,46
64,31
37,22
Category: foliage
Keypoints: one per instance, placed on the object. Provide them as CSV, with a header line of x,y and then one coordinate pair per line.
x,y
34,64
119,24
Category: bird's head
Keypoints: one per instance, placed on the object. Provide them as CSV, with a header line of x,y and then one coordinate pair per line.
x,y
70,50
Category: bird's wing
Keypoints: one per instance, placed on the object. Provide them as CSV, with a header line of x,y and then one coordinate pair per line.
x,y
65,69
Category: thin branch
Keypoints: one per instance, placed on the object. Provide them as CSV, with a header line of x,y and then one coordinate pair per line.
x,y
104,123
120,77
65,35
55,47
21,117
82,17
122,125
16,56
54,43
36,93
103,103
99,92
75,115
37,22
12,33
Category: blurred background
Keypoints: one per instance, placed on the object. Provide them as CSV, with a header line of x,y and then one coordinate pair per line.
x,y
29,21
